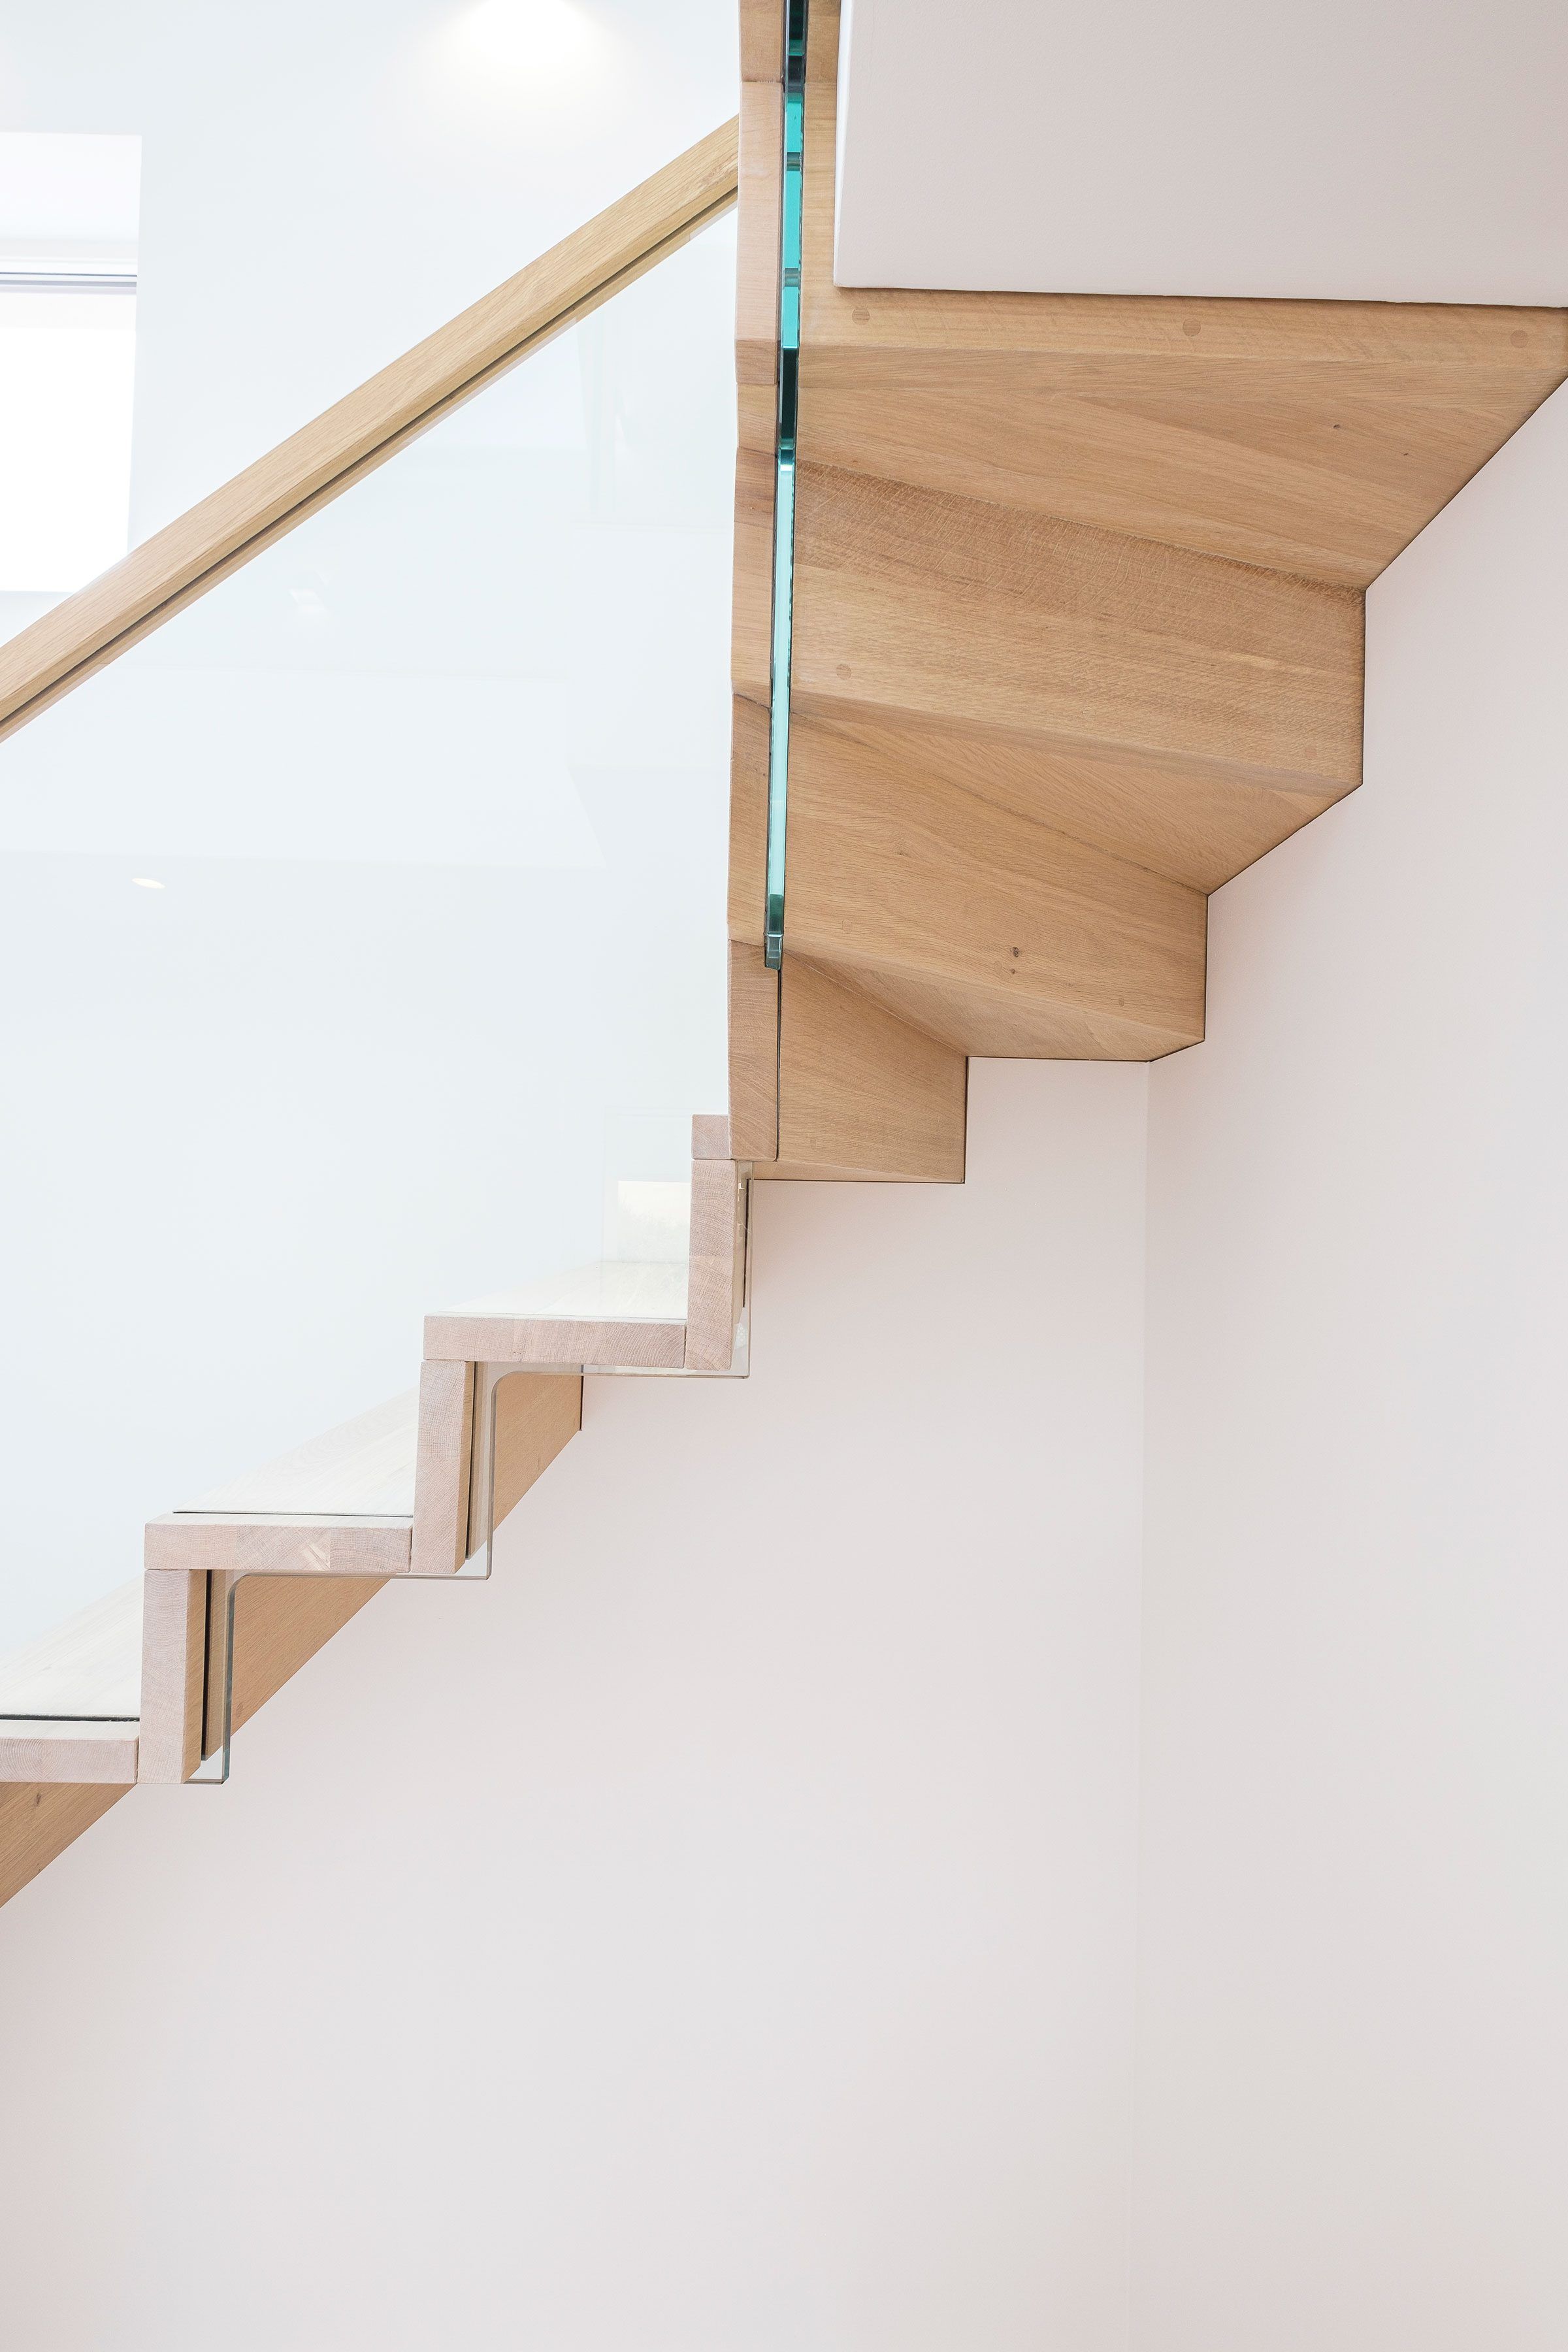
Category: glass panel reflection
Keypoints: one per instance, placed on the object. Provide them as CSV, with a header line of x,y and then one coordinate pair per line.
x,y
363,942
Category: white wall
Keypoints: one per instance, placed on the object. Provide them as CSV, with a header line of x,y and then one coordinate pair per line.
x,y
1353,2043
715,1935
1352,150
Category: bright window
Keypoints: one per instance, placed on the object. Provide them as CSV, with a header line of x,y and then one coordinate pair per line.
x,y
68,345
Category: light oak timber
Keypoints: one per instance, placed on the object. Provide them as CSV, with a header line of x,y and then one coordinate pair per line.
x,y
912,605
1200,828
531,1417
760,179
556,1341
1312,437
364,1466
763,36
762,40
754,1047
710,1136
79,1754
439,1541
279,1623
751,655
90,1666
37,1823
274,1565
986,928
754,1052
616,1314
748,820
338,1507
756,1058
277,1544
360,432
863,1097
822,45
174,1674
716,1265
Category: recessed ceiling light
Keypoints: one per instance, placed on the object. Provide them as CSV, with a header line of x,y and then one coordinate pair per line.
x,y
145,882
542,40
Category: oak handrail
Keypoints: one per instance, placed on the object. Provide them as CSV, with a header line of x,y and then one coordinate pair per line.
x,y
360,432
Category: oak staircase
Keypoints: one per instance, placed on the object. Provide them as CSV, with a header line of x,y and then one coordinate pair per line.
x,y
1077,635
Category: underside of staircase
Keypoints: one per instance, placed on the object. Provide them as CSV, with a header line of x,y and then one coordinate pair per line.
x,y
1077,636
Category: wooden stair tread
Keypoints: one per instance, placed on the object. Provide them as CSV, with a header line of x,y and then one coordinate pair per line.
x,y
605,1290
80,1754
1307,436
362,1469
89,1666
1078,635
610,1312
70,1702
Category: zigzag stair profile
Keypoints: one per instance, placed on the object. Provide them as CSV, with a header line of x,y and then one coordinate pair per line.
x,y
1077,636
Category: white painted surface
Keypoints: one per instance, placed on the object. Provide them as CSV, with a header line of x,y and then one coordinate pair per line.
x,y
1356,150
715,1933
1353,2050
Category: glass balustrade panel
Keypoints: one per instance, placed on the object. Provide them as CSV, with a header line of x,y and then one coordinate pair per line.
x,y
363,951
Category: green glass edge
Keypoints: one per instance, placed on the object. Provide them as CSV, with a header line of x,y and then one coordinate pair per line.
x,y
784,477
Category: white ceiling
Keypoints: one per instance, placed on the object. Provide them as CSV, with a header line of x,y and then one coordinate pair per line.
x,y
1367,150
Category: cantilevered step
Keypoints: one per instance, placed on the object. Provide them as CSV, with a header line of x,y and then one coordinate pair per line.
x,y
1311,438
1076,636
69,1702
1111,668
971,917
415,1487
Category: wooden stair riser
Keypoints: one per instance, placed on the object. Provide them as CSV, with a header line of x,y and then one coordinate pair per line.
x,y
863,1097
1307,436
1008,937
1199,829
39,1821
917,607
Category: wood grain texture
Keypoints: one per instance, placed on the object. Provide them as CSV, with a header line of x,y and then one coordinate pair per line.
x,y
316,464
994,933
863,1097
752,601
717,1265
822,44
601,1345
1311,438
748,820
439,1541
174,1674
90,1666
364,1466
760,179
531,1417
279,1624
615,1314
1198,827
917,607
80,1754
754,1054
278,1545
710,1135
761,39
37,1823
